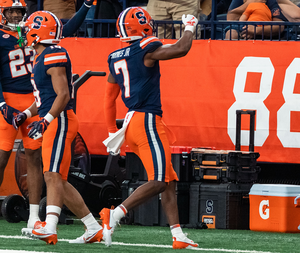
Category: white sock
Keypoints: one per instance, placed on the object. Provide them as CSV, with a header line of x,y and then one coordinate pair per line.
x,y
51,222
90,222
177,231
34,212
51,218
119,212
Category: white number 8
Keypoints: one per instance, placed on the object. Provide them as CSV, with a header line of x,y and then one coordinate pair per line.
x,y
252,100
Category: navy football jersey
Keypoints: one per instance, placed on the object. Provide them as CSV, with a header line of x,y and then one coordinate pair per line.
x,y
52,56
15,64
140,85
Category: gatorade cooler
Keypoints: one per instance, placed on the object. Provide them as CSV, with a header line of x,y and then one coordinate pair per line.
x,y
275,208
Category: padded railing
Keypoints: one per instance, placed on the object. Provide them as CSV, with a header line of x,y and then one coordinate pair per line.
x,y
207,29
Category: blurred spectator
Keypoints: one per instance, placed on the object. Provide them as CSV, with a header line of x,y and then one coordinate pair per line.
x,y
255,11
111,9
89,17
237,8
79,3
63,9
222,7
172,10
107,9
31,6
290,9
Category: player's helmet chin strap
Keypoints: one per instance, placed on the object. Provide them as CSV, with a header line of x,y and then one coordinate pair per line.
x,y
11,26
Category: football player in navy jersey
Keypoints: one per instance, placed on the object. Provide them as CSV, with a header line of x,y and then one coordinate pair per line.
x,y
51,79
134,70
16,93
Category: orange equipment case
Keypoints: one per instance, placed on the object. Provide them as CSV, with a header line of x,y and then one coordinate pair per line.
x,y
275,208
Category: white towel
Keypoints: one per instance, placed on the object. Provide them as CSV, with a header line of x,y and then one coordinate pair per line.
x,y
115,140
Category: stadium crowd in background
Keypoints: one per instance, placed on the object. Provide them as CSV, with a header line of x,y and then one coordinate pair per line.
x,y
172,10
237,8
255,11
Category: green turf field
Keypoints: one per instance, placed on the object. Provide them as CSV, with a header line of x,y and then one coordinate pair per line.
x,y
129,238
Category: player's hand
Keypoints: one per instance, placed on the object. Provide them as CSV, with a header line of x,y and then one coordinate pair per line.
x,y
37,128
8,112
89,3
190,22
18,120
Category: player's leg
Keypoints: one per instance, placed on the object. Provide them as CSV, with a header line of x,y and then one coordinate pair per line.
x,y
4,156
72,198
7,138
56,153
34,183
169,202
34,171
143,137
76,204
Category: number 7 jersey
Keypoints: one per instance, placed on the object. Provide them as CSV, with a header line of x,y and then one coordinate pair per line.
x,y
140,85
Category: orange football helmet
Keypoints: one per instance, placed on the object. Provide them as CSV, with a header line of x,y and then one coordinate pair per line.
x,y
134,23
43,27
11,4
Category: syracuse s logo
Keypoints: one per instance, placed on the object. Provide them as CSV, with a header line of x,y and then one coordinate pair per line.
x,y
264,210
209,206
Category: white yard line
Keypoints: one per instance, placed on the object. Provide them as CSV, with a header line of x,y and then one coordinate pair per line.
x,y
21,251
127,244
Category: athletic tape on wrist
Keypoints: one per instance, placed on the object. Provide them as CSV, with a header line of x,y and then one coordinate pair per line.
x,y
3,103
190,28
49,117
28,113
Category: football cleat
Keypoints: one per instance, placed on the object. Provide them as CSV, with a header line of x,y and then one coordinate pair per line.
x,y
89,237
184,243
30,227
108,224
34,224
43,234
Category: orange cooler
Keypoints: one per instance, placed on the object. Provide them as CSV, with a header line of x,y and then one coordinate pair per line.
x,y
275,208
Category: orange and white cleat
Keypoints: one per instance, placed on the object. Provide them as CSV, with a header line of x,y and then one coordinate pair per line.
x,y
28,230
108,224
89,236
43,234
184,243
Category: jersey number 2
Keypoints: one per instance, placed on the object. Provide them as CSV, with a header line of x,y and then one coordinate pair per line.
x,y
17,60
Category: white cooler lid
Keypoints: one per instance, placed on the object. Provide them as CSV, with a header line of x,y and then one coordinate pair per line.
x,y
280,190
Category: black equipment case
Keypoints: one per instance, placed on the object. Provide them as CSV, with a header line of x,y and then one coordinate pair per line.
x,y
228,165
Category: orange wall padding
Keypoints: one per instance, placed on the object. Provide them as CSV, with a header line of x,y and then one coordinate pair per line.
x,y
201,91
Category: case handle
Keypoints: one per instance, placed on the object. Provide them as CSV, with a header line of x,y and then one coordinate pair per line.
x,y
296,202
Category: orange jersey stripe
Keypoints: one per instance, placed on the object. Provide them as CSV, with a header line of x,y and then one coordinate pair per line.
x,y
146,41
55,58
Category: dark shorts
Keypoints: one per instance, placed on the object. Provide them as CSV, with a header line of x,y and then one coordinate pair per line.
x,y
238,28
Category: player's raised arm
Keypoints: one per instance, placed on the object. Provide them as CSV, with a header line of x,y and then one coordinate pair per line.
x,y
180,48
